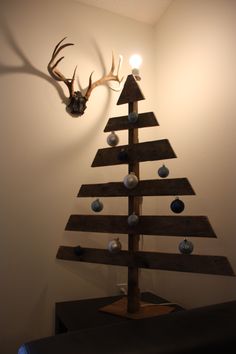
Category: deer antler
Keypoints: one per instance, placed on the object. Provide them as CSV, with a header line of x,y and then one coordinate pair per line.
x,y
77,102
109,77
53,70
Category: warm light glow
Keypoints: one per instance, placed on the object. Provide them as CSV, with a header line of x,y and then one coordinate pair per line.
x,y
135,61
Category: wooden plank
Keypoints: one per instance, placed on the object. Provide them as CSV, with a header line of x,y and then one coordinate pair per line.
x,y
152,187
148,151
203,264
191,226
147,119
134,205
185,263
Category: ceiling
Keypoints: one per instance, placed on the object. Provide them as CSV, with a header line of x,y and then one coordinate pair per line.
x,y
148,11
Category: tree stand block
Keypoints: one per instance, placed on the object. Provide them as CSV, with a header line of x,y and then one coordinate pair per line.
x,y
146,309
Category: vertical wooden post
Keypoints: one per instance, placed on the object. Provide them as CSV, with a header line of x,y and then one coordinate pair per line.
x,y
131,94
133,239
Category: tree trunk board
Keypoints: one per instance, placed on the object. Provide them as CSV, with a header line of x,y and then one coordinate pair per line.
x,y
191,226
134,206
148,151
152,187
203,264
147,119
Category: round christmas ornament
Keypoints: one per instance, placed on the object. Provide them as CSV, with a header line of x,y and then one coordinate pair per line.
x,y
114,246
97,206
112,139
133,117
133,219
177,206
78,250
131,180
122,155
186,247
163,171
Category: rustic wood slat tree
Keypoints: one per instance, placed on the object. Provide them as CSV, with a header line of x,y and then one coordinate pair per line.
x,y
161,225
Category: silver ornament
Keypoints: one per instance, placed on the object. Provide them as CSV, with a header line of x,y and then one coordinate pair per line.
x,y
133,219
130,180
112,139
97,206
186,247
114,246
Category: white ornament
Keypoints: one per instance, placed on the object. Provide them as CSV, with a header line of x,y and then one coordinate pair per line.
x,y
114,246
130,180
112,139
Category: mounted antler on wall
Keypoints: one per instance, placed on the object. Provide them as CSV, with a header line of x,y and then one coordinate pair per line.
x,y
77,102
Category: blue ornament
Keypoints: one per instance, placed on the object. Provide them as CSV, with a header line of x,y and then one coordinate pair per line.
x,y
133,117
186,247
163,171
177,206
122,155
78,250
97,206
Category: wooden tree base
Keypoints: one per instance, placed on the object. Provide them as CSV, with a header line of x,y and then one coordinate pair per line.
x,y
119,308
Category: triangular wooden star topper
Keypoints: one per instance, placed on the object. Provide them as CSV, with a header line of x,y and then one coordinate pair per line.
x,y
131,91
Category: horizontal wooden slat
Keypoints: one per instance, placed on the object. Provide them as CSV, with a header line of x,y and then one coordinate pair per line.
x,y
152,187
147,119
148,151
218,265
191,226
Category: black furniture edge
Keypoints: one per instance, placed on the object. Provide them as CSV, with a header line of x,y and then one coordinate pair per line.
x,y
208,329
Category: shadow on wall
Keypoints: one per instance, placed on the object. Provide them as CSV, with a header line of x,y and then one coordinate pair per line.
x,y
28,68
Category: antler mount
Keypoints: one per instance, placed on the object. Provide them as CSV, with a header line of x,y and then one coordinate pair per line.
x,y
77,101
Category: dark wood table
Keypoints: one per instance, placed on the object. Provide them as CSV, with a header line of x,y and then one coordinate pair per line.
x,y
85,314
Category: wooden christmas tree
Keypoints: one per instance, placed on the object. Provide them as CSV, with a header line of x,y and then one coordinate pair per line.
x,y
132,223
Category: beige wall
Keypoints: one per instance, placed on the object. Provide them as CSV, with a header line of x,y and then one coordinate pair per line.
x,y
46,155
195,93
188,81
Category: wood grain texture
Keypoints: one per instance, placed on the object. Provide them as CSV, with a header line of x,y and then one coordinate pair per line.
x,y
152,187
148,151
147,119
191,226
203,264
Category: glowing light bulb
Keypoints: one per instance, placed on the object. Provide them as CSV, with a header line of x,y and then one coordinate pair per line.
x,y
135,63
